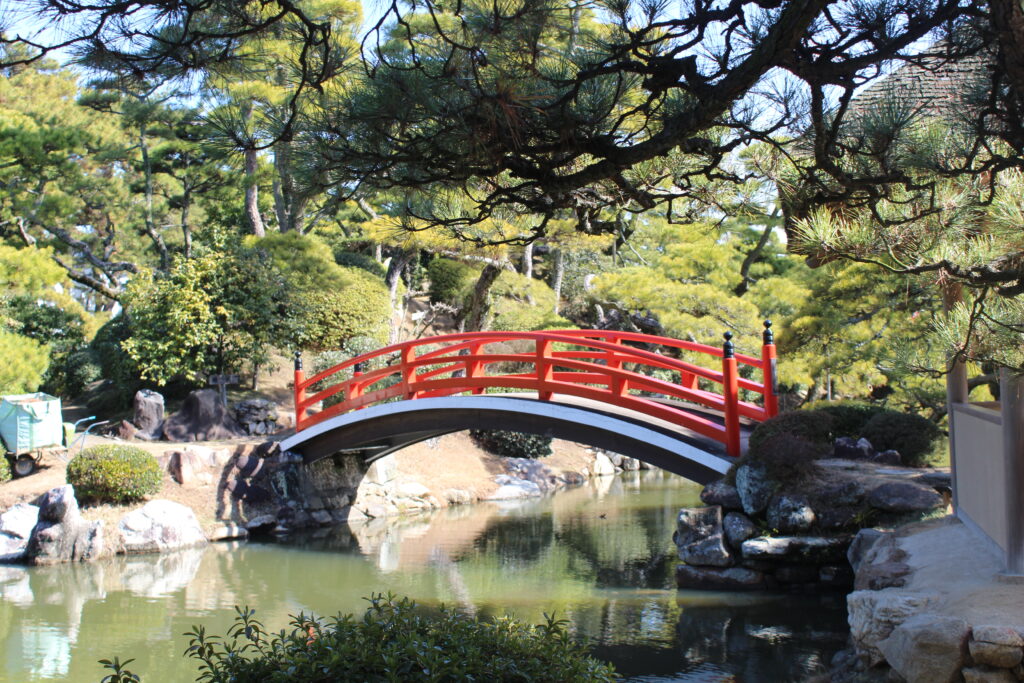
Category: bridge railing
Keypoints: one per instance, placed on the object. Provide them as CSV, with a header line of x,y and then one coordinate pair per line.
x,y
599,365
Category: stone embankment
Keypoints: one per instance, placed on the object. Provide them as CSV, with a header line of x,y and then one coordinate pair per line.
x,y
758,533
930,606
232,491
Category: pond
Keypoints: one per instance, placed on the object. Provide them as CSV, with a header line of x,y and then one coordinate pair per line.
x,y
600,556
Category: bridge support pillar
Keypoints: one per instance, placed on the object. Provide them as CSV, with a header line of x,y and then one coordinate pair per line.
x,y
731,395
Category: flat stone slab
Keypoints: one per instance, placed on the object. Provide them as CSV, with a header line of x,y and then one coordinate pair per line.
x,y
814,549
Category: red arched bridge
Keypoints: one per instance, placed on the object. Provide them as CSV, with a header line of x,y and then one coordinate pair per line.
x,y
641,395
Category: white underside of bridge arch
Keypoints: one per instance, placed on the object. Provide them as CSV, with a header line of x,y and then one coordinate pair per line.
x,y
597,417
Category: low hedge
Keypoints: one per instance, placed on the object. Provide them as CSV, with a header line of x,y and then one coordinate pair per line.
x,y
114,474
512,444
848,417
813,426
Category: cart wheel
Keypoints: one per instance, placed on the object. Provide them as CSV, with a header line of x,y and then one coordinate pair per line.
x,y
24,465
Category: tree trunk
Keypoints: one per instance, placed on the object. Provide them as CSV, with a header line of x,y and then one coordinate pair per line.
x,y
475,316
528,260
252,206
750,258
147,170
398,263
186,230
557,277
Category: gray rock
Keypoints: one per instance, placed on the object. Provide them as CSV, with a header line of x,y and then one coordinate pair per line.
x,y
937,479
998,646
12,548
754,487
693,525
348,514
61,535
381,471
261,522
616,459
227,531
19,520
790,514
887,458
187,467
838,518
148,414
873,615
720,493
707,578
511,488
878,576
458,497
843,493
928,647
738,528
709,552
848,448
160,526
985,674
797,549
630,464
904,496
322,517
861,544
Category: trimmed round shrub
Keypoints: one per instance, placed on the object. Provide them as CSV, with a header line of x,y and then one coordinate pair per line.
x,y
5,468
848,417
352,259
395,640
332,317
811,425
787,458
114,474
912,435
512,444
450,281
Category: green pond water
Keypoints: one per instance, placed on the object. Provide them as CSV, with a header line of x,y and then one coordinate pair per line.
x,y
600,556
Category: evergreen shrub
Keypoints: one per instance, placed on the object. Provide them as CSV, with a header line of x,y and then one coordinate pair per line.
x,y
848,417
334,316
787,458
114,474
450,281
512,444
352,259
814,426
915,437
394,641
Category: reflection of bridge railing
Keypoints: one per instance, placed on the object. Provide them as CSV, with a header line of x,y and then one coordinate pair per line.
x,y
600,365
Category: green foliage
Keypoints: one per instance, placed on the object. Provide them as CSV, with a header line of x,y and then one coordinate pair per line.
x,y
393,641
913,436
450,281
115,365
521,303
5,468
305,262
351,259
848,417
812,426
119,672
513,444
23,361
330,318
114,473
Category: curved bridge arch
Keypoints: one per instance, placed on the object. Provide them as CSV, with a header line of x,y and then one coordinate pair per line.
x,y
383,429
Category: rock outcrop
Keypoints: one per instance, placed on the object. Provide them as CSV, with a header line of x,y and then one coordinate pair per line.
x,y
202,418
160,526
61,534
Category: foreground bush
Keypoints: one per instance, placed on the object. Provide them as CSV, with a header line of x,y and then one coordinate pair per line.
x,y
912,435
512,444
392,641
114,474
848,417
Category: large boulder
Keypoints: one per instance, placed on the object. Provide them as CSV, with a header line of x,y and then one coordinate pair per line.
x,y
874,615
188,469
904,496
202,418
928,648
16,527
159,526
603,466
738,528
755,488
511,488
61,534
861,544
699,537
148,414
721,493
797,549
790,514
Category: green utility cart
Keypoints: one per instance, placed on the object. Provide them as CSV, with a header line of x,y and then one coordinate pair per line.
x,y
29,424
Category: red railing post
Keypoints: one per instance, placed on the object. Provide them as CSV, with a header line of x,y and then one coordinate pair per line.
x,y
300,392
409,372
354,389
731,394
768,369
617,385
545,369
473,367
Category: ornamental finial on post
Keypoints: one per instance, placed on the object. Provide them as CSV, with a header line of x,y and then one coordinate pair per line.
x,y
769,336
728,349
298,360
